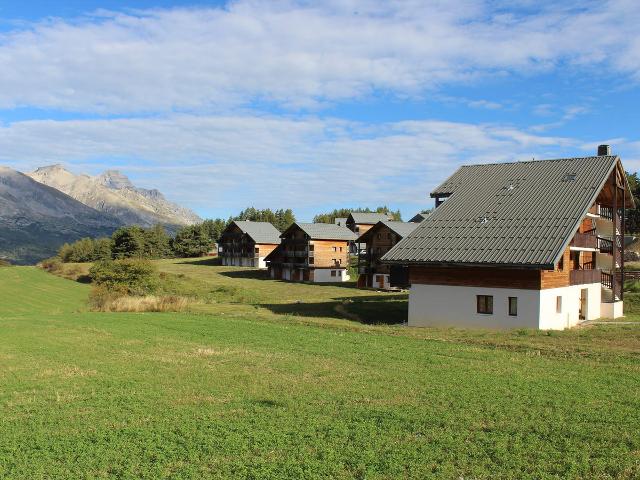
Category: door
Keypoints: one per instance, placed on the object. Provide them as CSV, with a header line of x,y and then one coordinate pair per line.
x,y
583,303
380,279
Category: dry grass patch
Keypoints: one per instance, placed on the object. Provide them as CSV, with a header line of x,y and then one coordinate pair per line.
x,y
148,303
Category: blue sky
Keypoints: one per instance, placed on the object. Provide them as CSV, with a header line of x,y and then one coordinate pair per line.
x,y
313,105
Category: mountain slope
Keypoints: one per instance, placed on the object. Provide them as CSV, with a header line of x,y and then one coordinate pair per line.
x,y
36,219
114,194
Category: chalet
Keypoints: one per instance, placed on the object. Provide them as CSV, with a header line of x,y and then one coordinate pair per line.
x,y
379,239
359,223
312,252
528,244
246,244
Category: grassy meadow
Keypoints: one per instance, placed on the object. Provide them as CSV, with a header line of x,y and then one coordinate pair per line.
x,y
264,379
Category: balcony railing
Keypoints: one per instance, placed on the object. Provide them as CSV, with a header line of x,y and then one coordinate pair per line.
x,y
581,277
605,245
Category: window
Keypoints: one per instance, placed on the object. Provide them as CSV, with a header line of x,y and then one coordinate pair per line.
x,y
379,236
485,304
333,273
340,248
558,304
335,249
561,263
257,250
513,306
311,260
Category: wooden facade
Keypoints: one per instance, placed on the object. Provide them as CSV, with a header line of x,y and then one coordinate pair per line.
x,y
238,249
373,273
301,258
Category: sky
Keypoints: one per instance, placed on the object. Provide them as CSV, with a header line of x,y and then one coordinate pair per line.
x,y
313,105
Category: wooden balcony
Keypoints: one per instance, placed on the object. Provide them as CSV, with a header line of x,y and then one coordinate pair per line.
x,y
581,277
584,240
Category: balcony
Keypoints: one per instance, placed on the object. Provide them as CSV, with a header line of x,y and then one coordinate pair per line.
x,y
585,240
581,277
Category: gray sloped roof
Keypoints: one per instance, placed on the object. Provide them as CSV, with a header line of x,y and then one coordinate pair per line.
x,y
260,232
326,231
418,217
401,228
368,218
340,221
518,214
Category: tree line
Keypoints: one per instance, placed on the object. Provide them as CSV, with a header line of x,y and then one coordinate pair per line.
x,y
189,241
152,243
330,217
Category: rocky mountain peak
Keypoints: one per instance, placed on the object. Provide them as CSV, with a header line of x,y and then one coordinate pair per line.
x,y
114,179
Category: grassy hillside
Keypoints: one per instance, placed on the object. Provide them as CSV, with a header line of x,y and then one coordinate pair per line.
x,y
32,291
246,392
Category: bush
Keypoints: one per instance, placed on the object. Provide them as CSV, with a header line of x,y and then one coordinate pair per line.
x,y
4,263
51,265
128,276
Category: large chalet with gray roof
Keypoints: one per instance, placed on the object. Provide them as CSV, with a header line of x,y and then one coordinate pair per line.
x,y
312,252
533,244
246,243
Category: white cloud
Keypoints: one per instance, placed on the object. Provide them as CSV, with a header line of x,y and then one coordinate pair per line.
x,y
225,163
299,55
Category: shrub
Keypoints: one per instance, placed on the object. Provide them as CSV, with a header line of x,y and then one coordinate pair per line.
x,y
51,265
4,263
129,276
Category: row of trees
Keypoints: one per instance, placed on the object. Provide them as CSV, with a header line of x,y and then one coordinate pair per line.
x,y
126,242
189,241
344,212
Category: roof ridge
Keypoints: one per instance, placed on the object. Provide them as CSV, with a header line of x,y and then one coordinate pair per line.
x,y
539,161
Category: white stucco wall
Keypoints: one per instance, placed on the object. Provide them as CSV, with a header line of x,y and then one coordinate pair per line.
x,y
569,316
441,305
386,284
612,310
454,306
322,275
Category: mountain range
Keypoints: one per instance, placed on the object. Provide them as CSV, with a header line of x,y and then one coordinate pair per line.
x,y
40,211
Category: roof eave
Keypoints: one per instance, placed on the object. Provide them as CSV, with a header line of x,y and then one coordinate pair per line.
x,y
527,266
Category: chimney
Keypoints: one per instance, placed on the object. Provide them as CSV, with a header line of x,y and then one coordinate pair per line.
x,y
604,150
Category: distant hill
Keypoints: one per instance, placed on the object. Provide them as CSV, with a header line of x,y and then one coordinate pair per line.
x,y
113,193
36,219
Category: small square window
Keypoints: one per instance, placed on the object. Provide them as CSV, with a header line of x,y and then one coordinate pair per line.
x,y
333,273
558,304
484,304
513,306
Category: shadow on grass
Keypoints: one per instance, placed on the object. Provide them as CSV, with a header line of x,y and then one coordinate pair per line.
x,y
373,310
248,273
205,262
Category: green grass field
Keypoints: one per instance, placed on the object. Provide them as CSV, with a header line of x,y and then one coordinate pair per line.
x,y
253,384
